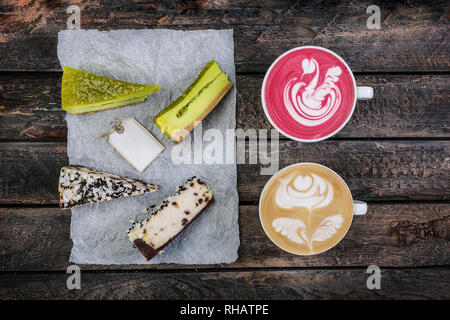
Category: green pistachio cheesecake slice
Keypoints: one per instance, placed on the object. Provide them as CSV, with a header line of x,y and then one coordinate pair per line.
x,y
197,101
84,92
81,185
171,218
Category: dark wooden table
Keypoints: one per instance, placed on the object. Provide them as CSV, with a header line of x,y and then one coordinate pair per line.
x,y
394,153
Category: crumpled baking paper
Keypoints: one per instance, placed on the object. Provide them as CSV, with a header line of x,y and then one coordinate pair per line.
x,y
172,59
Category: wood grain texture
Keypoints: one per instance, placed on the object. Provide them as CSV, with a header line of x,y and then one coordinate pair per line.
x,y
30,107
404,106
413,35
31,171
403,235
295,284
409,240
374,170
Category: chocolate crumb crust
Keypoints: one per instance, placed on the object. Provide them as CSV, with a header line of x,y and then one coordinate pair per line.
x,y
147,246
145,249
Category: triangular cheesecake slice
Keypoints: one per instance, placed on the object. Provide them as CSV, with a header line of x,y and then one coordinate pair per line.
x,y
80,185
84,92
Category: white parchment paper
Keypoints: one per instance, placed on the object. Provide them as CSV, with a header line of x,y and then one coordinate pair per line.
x,y
171,59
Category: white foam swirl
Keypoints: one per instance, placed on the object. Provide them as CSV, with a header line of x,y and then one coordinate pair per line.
x,y
312,104
310,191
327,228
288,228
295,229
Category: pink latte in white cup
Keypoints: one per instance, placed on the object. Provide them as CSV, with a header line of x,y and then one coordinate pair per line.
x,y
309,93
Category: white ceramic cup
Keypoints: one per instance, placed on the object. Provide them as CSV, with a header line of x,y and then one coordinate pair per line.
x,y
361,93
359,207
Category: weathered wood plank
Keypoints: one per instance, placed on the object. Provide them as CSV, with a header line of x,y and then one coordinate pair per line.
x,y
30,107
374,170
404,106
403,235
296,284
415,32
29,172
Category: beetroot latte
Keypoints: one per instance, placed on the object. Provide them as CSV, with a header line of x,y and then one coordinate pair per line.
x,y
309,93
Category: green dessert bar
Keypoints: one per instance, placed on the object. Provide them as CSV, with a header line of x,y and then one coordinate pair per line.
x,y
197,101
84,92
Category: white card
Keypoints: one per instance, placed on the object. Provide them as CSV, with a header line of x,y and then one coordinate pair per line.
x,y
135,144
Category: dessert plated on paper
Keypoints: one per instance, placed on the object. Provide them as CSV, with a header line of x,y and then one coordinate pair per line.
x,y
127,142
171,218
307,208
197,101
80,185
84,92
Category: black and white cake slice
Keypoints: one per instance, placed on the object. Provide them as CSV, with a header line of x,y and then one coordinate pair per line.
x,y
171,218
80,185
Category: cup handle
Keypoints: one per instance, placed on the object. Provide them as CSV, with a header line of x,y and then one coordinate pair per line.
x,y
359,208
364,93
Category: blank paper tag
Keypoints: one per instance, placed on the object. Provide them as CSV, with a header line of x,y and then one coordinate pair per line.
x,y
135,144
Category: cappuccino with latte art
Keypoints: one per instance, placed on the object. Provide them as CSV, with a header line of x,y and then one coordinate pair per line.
x,y
306,208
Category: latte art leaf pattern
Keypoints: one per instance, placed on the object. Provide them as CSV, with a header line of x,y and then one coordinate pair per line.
x,y
295,229
289,227
327,228
310,103
311,191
